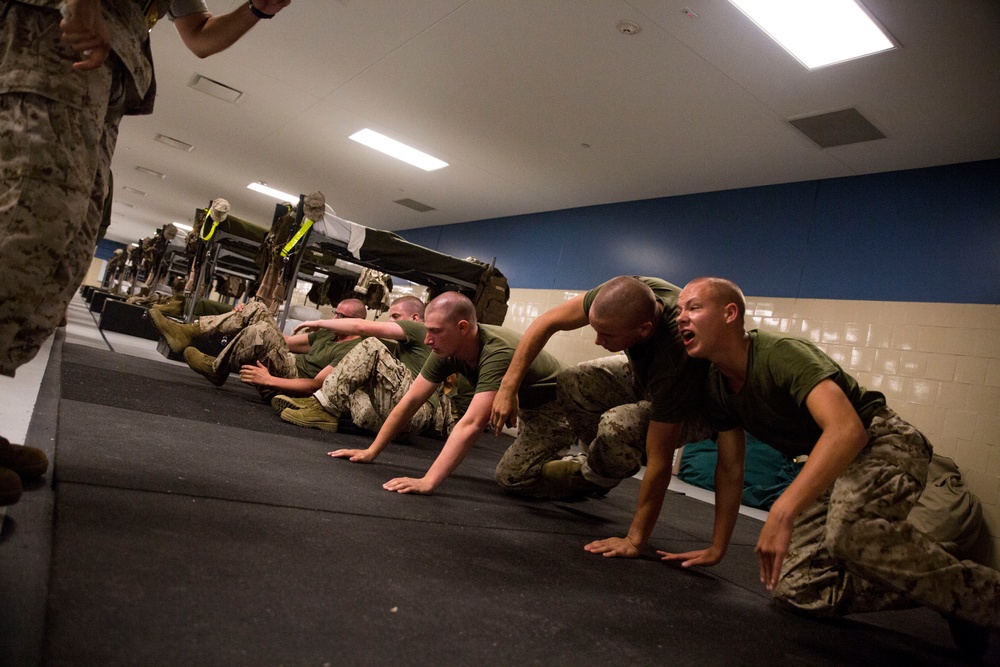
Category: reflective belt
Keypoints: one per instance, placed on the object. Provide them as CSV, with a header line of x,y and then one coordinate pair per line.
x,y
208,218
306,225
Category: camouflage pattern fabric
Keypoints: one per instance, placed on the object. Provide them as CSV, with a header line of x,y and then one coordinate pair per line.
x,y
255,337
543,435
51,200
368,383
853,550
609,413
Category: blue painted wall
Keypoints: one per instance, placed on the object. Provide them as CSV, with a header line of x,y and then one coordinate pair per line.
x,y
106,248
920,235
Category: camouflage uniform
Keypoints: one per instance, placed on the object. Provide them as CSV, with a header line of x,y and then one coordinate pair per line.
x,y
853,550
542,436
59,130
255,337
368,383
609,413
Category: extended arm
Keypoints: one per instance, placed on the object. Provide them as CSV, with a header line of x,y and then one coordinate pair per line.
x,y
729,469
842,439
205,34
661,443
460,441
357,327
297,344
566,316
418,394
260,376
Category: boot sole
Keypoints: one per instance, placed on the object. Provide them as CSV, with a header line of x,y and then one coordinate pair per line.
x,y
323,426
280,403
175,344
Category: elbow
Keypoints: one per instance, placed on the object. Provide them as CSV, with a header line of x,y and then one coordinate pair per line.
x,y
201,51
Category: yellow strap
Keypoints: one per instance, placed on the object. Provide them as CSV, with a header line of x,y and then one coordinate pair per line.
x,y
208,218
295,239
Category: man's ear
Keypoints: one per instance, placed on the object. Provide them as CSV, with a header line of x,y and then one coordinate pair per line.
x,y
463,326
731,311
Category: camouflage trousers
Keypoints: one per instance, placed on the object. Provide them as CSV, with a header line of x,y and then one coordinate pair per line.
x,y
54,163
368,383
253,336
609,414
543,435
853,550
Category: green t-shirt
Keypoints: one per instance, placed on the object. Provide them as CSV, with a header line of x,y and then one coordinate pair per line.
x,y
496,349
673,381
324,350
781,372
412,351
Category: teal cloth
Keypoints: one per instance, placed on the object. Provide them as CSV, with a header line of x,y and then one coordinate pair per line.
x,y
768,472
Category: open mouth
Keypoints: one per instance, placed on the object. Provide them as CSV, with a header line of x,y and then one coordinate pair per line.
x,y
687,336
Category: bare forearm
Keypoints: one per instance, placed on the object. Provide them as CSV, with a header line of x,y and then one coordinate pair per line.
x,y
651,493
461,440
206,35
728,497
527,351
297,386
398,418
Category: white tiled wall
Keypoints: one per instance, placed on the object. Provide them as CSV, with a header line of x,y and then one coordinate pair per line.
x,y
938,365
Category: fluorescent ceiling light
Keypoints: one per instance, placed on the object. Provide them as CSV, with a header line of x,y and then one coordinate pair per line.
x,y
271,192
818,32
183,227
397,150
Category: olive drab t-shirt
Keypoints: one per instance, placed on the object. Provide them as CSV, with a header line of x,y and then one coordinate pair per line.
x,y
496,349
412,351
673,381
781,372
324,350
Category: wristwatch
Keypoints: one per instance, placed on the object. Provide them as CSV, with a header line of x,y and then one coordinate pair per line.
x,y
256,12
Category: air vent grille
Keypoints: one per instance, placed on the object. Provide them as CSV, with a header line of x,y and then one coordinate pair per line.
x,y
837,128
415,205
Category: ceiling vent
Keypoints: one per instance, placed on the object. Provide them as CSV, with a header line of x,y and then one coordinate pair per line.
x,y
150,172
837,128
174,143
415,205
218,90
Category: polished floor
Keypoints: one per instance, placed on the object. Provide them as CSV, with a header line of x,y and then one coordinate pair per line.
x,y
184,524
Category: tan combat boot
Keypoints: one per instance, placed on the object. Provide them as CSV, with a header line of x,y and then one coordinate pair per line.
x,y
282,401
178,336
203,364
312,416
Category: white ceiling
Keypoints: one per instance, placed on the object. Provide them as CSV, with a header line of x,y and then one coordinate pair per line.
x,y
509,91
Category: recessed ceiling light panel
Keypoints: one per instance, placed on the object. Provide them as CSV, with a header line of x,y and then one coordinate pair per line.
x,y
398,150
818,32
265,189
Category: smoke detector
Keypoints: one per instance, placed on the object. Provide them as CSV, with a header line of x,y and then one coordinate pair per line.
x,y
628,27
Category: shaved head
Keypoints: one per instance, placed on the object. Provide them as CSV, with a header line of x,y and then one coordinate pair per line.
x,y
452,307
724,292
352,308
626,300
408,306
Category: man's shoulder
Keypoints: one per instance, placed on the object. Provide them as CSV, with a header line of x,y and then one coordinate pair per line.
x,y
414,330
